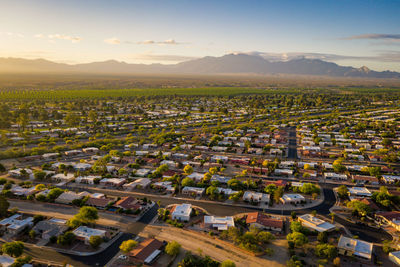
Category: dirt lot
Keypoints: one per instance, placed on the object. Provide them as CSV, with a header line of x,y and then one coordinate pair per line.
x,y
215,248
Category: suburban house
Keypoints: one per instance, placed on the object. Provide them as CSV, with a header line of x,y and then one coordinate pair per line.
x,y
189,190
15,224
69,196
147,251
263,221
49,228
115,182
315,223
292,199
100,203
219,223
84,233
139,183
255,197
359,192
355,247
128,203
181,212
87,179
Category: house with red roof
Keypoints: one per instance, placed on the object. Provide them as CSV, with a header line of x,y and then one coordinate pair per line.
x,y
265,222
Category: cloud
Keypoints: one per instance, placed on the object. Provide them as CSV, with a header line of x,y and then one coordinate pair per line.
x,y
161,57
113,41
381,56
12,34
373,36
53,37
166,42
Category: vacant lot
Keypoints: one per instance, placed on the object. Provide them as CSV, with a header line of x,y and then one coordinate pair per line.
x,y
216,249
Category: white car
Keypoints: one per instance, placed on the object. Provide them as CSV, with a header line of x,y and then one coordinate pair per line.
x,y
122,257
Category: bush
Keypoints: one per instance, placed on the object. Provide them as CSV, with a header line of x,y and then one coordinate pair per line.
x,y
172,248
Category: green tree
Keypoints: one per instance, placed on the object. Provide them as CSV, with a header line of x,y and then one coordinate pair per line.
x,y
4,205
228,263
128,245
325,251
86,215
32,234
188,169
172,248
343,192
297,238
14,249
322,237
95,241
187,182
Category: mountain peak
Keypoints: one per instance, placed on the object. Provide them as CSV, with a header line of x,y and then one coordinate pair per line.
x,y
364,69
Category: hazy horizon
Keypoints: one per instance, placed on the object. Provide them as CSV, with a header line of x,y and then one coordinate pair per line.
x,y
349,33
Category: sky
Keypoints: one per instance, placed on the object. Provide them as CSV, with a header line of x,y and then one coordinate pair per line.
x,y
347,32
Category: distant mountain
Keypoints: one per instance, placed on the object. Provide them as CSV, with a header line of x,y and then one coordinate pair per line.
x,y
227,64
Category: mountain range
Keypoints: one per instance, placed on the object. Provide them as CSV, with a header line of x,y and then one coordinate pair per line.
x,y
227,64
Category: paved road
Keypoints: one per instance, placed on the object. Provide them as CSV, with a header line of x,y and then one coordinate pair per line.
x,y
292,147
100,259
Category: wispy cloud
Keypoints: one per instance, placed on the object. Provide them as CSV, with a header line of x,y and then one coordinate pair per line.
x,y
373,36
53,37
381,56
12,34
113,41
161,57
166,42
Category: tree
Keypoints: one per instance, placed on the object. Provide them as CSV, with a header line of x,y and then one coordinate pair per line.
x,y
309,188
359,207
270,189
206,177
172,248
54,193
212,191
297,238
95,241
32,234
39,175
322,237
2,168
343,192
4,205
40,187
128,245
278,194
85,215
188,169
228,263
14,249
338,166
66,239
187,182
325,251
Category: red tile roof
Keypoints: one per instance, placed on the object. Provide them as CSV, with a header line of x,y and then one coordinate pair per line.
x,y
263,219
145,249
128,203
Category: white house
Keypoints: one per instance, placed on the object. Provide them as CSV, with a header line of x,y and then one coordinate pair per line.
x,y
219,223
315,223
355,247
84,233
181,212
292,199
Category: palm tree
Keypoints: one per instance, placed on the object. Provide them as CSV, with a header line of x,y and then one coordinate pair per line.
x,y
332,216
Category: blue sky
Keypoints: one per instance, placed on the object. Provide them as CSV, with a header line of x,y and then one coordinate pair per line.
x,y
347,32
